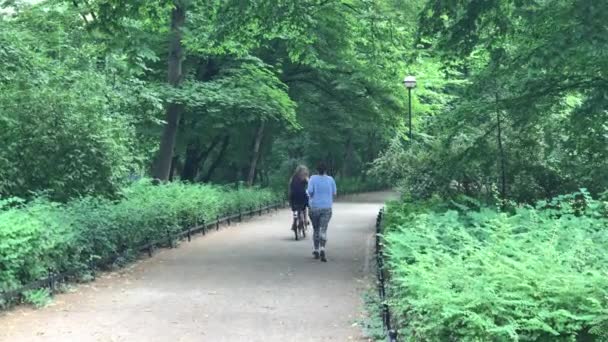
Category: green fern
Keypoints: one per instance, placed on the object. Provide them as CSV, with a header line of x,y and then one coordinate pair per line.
x,y
534,275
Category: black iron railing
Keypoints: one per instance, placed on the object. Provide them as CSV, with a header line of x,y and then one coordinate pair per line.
x,y
50,282
381,273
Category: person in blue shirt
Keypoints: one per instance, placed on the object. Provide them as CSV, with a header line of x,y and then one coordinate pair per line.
x,y
322,190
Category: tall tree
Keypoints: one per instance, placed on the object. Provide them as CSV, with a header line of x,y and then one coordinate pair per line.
x,y
174,78
255,155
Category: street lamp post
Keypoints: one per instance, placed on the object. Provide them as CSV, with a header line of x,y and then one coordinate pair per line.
x,y
410,83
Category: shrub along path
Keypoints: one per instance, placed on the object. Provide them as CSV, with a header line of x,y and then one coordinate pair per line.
x,y
250,282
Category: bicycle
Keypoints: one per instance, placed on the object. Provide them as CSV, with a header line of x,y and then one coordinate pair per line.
x,y
300,223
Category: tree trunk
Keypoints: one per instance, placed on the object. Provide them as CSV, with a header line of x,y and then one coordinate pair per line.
x,y
347,156
217,160
195,155
501,150
331,165
195,158
256,153
174,77
191,163
174,162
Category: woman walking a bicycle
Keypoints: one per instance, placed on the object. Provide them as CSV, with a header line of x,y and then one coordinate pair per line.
x,y
298,200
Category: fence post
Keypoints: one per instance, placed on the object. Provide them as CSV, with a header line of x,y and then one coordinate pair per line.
x,y
92,268
392,335
204,227
217,223
51,280
150,246
189,233
240,215
169,239
386,315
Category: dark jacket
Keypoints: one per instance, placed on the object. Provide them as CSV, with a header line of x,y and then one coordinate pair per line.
x,y
298,198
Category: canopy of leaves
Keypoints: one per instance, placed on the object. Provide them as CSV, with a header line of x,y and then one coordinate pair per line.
x,y
537,66
304,81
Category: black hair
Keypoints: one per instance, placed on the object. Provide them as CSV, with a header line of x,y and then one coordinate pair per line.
x,y
322,168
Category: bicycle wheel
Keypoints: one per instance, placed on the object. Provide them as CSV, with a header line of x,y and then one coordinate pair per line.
x,y
295,229
302,225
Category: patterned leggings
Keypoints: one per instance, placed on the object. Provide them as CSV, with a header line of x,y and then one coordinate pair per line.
x,y
320,219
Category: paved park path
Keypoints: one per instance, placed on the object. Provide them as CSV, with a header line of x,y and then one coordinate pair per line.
x,y
249,282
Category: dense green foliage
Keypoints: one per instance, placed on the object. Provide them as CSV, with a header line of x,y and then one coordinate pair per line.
x,y
538,274
61,126
510,107
89,90
351,185
533,72
43,236
262,86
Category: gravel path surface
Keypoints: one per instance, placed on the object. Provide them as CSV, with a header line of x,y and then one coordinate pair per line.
x,y
248,282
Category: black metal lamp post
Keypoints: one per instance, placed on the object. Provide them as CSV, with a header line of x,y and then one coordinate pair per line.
x,y
410,83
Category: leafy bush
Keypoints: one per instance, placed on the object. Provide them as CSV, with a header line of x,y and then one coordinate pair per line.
x,y
538,274
34,239
38,298
61,127
43,236
353,185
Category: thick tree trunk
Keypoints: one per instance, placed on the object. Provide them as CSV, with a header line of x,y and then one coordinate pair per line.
x,y
174,162
191,163
330,163
347,157
195,158
174,110
195,154
256,153
217,160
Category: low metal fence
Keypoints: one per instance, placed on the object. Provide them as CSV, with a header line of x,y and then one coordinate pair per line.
x,y
53,279
382,273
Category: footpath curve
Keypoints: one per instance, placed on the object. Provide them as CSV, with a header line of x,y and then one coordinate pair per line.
x,y
248,282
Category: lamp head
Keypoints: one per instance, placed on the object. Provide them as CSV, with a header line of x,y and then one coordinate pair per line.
x,y
409,82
